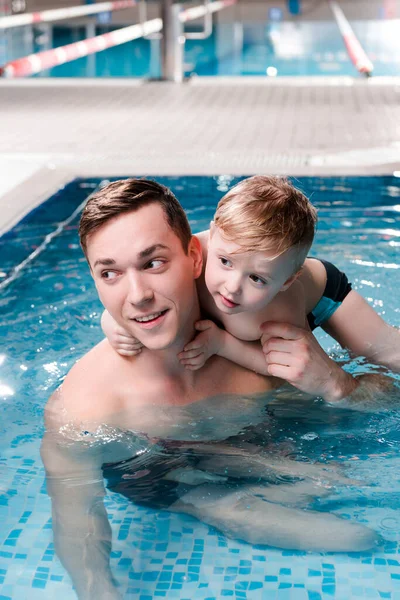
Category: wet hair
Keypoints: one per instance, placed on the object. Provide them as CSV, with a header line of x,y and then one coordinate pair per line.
x,y
267,214
128,195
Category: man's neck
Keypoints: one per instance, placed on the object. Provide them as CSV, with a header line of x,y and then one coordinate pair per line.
x,y
165,363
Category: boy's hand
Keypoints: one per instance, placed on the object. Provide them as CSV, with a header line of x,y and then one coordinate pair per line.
x,y
293,354
120,339
204,345
124,343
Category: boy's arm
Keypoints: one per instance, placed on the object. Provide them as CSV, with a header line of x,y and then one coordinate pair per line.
x,y
356,326
120,339
213,340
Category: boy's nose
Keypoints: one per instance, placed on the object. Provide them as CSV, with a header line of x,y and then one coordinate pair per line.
x,y
233,285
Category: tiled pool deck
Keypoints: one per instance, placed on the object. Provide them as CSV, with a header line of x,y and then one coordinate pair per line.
x,y
54,130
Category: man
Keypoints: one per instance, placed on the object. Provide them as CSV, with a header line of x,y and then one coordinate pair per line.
x,y
113,411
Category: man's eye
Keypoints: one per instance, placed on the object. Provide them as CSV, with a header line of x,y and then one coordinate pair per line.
x,y
224,261
258,280
108,275
155,264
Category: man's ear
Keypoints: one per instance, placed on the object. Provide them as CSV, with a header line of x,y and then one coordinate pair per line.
x,y
196,253
289,281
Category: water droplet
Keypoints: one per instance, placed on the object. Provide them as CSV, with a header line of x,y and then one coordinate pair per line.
x,y
309,436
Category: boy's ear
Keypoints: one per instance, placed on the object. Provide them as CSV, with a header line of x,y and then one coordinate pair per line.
x,y
212,228
291,279
196,253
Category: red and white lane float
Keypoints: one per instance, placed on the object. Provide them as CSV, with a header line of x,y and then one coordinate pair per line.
x,y
34,63
58,14
199,11
354,49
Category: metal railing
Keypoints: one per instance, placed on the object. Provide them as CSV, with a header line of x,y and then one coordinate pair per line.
x,y
171,24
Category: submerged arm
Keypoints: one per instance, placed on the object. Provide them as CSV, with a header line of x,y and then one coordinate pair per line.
x,y
82,533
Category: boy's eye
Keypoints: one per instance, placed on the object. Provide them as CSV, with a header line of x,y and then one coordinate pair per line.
x,y
108,275
224,261
258,280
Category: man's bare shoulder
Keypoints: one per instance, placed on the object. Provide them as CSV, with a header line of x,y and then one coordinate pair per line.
x,y
91,389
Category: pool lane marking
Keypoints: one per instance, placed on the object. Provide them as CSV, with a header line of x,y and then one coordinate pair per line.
x,y
15,271
58,14
356,52
34,63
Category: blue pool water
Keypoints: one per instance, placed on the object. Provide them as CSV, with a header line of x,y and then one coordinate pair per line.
x,y
50,317
291,47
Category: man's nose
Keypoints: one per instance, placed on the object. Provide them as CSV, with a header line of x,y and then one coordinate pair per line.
x,y
139,291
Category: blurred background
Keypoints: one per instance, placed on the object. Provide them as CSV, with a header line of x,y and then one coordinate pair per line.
x,y
270,38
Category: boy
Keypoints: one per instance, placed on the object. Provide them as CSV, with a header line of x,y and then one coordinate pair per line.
x,y
257,278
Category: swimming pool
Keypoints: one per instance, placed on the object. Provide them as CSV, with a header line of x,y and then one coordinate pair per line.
x,y
291,48
50,315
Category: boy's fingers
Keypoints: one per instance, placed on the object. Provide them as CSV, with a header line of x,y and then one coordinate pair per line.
x,y
188,359
190,353
125,341
128,346
195,345
193,367
123,334
129,352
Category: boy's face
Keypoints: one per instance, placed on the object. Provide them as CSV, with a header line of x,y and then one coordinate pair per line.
x,y
245,281
144,278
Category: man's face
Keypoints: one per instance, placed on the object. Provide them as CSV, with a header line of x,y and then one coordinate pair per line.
x,y
144,278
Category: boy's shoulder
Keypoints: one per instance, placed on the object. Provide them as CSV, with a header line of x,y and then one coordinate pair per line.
x,y
313,279
288,306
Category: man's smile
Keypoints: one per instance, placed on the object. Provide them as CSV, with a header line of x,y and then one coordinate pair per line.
x,y
151,319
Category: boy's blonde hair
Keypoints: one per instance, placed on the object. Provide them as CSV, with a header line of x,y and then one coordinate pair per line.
x,y
267,214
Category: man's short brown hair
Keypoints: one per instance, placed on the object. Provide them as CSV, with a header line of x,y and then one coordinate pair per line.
x,y
267,214
128,195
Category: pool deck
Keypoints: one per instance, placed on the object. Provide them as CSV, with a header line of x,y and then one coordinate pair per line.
x,y
55,130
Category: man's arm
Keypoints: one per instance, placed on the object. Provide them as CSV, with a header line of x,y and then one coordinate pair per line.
x,y
294,354
82,533
356,326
